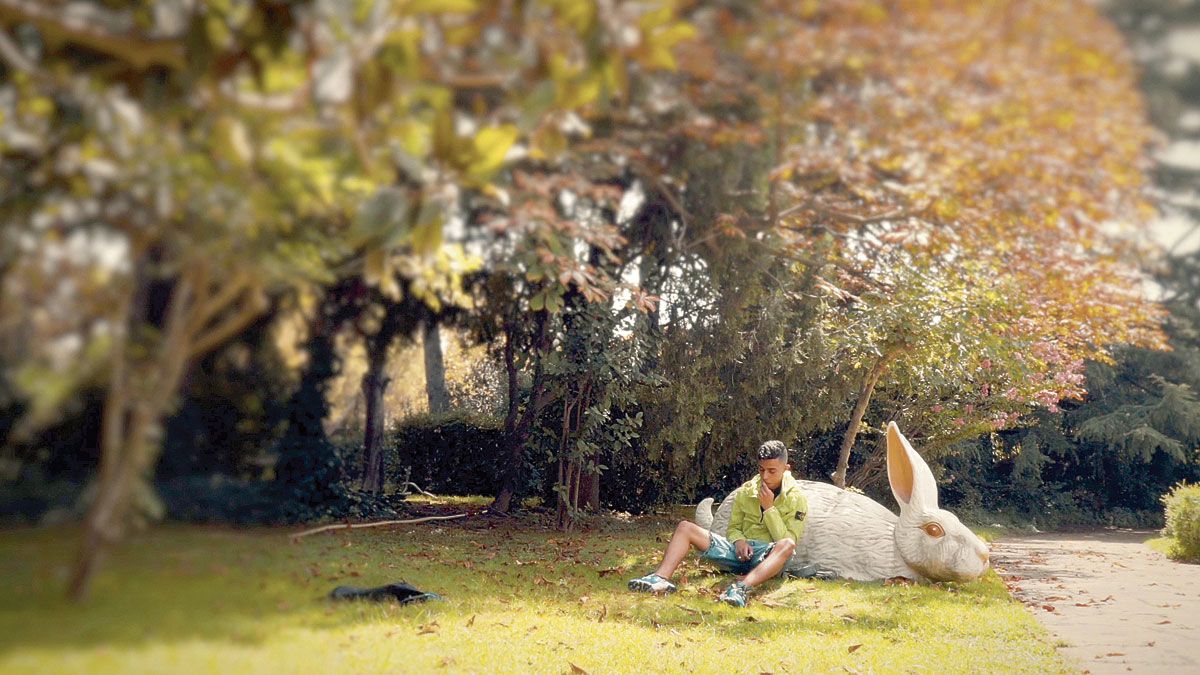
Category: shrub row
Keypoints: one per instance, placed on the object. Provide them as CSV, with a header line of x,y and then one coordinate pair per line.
x,y
452,454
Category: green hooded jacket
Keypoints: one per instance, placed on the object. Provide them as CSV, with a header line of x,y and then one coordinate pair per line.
x,y
784,519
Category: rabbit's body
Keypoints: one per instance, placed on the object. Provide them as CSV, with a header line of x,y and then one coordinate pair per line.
x,y
856,537
846,532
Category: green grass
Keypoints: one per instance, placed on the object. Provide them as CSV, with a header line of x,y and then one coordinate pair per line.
x,y
520,598
1170,548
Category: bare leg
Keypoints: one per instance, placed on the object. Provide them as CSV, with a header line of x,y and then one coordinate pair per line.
x,y
687,536
773,563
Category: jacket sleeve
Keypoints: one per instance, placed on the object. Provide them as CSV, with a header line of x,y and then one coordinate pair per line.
x,y
737,521
788,522
799,517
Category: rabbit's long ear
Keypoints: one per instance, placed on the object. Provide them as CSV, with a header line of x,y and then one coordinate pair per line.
x,y
912,481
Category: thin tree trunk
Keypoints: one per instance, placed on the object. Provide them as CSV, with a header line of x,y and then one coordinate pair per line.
x,y
104,524
860,408
374,385
435,369
591,491
130,443
563,486
504,494
575,485
517,428
560,513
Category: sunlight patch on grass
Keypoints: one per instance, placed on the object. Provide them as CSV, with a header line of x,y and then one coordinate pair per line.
x,y
1161,544
519,598
988,533
1170,548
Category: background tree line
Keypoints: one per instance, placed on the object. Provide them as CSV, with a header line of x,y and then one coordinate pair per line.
x,y
626,241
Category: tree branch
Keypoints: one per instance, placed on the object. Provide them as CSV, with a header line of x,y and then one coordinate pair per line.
x,y
355,526
219,334
138,52
645,174
211,305
13,55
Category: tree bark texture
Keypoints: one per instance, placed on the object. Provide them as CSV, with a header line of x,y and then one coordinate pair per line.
x,y
518,423
202,312
860,408
374,385
435,369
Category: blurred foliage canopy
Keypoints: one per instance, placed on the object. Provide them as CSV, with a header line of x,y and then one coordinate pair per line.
x,y
772,215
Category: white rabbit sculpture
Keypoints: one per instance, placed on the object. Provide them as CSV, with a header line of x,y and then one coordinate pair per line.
x,y
855,537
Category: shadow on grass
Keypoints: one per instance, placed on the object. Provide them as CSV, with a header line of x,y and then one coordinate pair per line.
x,y
180,583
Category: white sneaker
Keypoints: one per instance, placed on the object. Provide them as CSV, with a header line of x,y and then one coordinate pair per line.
x,y
652,583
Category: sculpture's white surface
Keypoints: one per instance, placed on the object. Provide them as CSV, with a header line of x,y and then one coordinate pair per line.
x,y
858,538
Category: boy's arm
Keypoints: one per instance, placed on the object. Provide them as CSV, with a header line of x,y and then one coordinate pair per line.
x,y
794,527
737,520
799,518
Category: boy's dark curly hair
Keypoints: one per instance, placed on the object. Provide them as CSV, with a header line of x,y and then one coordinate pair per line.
x,y
773,450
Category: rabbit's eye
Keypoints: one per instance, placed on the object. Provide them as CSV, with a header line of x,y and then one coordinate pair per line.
x,y
933,529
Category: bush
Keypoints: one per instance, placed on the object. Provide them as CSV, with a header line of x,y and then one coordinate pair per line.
x,y
222,499
1183,521
311,484
452,454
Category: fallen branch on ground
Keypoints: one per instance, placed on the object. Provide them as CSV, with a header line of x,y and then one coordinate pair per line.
x,y
355,526
404,490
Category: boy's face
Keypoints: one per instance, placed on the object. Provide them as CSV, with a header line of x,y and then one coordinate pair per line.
x,y
771,471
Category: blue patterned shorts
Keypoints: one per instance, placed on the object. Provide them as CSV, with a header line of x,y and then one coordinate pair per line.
x,y
722,553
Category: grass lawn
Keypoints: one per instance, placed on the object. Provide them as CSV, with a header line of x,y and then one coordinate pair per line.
x,y
1170,548
520,597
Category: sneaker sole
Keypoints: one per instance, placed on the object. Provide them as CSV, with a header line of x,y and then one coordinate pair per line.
x,y
643,587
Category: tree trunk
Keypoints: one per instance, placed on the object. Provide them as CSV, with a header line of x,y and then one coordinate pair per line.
x,y
860,408
517,426
105,520
374,385
435,369
132,418
591,491
505,494
562,487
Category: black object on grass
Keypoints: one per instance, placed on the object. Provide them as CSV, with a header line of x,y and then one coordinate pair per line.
x,y
400,592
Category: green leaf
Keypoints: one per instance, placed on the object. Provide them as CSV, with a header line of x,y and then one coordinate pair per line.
x,y
441,6
427,233
491,145
679,32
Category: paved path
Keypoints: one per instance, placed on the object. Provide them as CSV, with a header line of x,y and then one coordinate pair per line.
x,y
1121,606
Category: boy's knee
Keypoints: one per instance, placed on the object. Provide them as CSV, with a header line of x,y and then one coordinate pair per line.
x,y
786,546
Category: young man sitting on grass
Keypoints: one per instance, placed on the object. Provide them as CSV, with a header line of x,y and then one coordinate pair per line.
x,y
767,521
